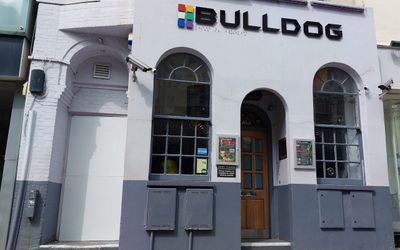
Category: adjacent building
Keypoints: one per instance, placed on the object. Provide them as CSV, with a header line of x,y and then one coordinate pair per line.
x,y
16,25
229,125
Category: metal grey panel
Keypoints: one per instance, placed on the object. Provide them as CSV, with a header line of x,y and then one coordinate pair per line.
x,y
161,209
199,209
331,209
362,210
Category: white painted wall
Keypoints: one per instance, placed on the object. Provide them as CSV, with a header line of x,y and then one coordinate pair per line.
x,y
62,50
244,61
91,206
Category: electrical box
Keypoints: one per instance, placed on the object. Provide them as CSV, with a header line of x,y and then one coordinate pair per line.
x,y
331,214
31,204
362,210
199,209
161,209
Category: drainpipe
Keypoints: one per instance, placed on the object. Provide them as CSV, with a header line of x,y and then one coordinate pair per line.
x,y
19,205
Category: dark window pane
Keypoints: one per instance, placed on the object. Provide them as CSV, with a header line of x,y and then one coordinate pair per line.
x,y
332,86
160,127
157,164
257,145
201,146
189,127
203,74
329,109
328,135
259,181
174,145
172,165
181,99
320,169
319,152
248,181
350,111
341,153
341,135
174,127
158,145
330,170
258,163
187,165
318,135
188,146
246,144
202,129
198,100
329,152
342,170
193,63
183,74
246,162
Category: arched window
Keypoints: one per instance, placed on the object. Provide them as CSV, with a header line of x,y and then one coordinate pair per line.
x,y
337,127
181,119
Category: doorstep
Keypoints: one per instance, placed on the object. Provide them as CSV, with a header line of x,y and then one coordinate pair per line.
x,y
84,245
265,245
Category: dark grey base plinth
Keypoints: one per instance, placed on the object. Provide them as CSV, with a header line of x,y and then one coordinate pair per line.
x,y
43,227
301,218
224,236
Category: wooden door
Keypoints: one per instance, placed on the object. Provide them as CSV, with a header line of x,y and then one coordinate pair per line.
x,y
255,185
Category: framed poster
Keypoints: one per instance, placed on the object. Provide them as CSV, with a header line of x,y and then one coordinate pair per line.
x,y
305,156
228,148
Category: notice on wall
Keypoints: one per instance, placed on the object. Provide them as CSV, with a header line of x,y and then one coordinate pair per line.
x,y
226,171
201,166
227,150
304,154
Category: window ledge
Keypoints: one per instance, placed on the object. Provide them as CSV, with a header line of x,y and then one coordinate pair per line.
x,y
199,184
344,188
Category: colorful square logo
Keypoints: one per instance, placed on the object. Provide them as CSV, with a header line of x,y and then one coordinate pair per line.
x,y
185,16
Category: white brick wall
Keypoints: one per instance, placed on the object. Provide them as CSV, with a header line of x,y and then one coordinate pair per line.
x,y
63,56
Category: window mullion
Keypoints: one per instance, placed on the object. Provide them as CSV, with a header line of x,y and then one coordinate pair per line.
x,y
323,151
335,153
166,148
180,148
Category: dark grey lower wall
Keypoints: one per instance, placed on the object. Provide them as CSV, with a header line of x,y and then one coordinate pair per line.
x,y
224,236
43,228
301,214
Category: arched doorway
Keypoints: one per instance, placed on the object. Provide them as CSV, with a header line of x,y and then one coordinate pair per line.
x,y
259,110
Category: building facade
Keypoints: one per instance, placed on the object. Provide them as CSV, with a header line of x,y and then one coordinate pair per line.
x,y
232,124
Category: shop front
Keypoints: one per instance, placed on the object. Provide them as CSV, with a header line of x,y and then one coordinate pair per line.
x,y
254,121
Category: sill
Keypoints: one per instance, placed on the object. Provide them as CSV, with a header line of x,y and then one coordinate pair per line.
x,y
180,184
340,182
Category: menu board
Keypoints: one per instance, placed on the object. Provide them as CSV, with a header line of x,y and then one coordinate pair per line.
x,y
304,153
227,150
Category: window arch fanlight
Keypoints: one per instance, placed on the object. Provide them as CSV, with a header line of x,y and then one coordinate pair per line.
x,y
337,127
181,118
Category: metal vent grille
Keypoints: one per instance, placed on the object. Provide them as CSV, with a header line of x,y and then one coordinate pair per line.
x,y
102,71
